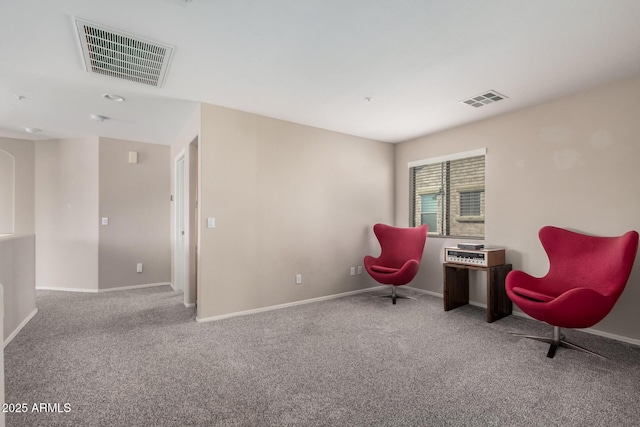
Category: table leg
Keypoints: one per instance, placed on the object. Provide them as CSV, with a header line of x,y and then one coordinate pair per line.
x,y
456,287
498,303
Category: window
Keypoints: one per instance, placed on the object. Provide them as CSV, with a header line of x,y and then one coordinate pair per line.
x,y
470,203
429,210
447,194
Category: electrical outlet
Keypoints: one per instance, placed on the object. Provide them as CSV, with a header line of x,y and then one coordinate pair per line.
x,y
353,271
298,279
139,268
359,269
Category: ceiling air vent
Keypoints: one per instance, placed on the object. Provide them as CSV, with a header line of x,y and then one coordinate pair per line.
x,y
487,97
117,54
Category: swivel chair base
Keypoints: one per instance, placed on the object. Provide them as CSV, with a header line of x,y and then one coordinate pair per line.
x,y
393,295
557,341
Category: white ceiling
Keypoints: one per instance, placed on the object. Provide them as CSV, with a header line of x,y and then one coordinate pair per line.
x,y
311,61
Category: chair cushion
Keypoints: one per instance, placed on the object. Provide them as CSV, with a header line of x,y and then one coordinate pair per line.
x,y
383,269
532,295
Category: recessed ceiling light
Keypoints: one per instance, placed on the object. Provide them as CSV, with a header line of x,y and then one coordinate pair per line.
x,y
98,118
112,97
32,130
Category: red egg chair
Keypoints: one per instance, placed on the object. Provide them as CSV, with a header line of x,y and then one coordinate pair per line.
x,y
586,276
400,258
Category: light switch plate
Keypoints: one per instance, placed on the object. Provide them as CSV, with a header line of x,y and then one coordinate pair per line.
x,y
211,223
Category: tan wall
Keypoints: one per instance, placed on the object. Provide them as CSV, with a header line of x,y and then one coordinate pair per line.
x,y
135,198
79,181
24,153
17,279
288,199
66,182
570,163
17,252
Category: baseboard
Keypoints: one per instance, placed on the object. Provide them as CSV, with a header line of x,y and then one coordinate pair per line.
x,y
19,328
289,304
592,331
524,315
190,304
49,288
95,291
423,291
292,304
127,288
612,336
439,295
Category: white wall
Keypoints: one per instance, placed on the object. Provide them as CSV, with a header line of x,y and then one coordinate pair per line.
x,y
23,154
7,192
185,145
571,163
79,181
66,182
17,251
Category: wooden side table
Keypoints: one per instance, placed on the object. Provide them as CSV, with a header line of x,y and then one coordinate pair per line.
x,y
456,288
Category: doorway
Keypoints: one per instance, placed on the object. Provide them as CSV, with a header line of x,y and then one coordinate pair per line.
x,y
186,223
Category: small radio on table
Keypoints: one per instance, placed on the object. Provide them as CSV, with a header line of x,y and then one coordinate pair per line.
x,y
482,257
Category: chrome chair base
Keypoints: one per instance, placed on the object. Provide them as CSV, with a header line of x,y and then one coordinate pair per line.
x,y
394,295
558,341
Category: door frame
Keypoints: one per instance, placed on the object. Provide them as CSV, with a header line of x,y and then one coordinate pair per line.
x,y
181,226
186,219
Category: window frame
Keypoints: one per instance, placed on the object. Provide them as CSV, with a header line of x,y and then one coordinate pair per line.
x,y
447,213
